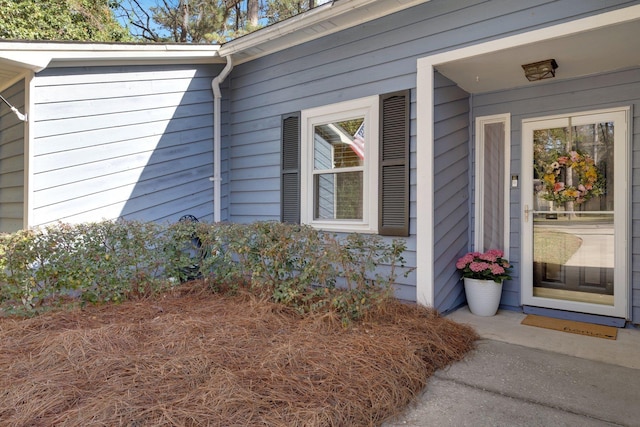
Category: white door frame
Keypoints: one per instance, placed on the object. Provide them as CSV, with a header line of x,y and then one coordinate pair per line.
x,y
622,168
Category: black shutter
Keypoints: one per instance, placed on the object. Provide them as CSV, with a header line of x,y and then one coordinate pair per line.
x,y
290,182
393,191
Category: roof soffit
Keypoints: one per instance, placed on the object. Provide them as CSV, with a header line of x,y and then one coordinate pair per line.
x,y
610,45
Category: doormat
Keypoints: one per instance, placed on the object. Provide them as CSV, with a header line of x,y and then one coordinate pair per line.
x,y
581,328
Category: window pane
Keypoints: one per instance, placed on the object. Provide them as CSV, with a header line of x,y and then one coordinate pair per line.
x,y
573,168
493,191
339,145
338,195
574,234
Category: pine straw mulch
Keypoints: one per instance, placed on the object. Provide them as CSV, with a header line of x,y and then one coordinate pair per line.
x,y
192,358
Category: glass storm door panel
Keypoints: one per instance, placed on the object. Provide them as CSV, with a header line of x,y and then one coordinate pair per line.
x,y
575,213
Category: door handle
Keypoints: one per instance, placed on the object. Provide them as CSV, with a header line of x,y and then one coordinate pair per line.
x,y
526,213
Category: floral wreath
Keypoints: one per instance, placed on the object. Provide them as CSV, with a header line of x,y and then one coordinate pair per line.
x,y
590,180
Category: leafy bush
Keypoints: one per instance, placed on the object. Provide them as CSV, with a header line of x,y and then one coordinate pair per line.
x,y
99,262
110,261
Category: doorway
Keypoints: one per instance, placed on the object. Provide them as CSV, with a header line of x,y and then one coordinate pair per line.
x,y
575,212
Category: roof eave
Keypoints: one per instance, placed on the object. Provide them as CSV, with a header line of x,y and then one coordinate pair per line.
x,y
316,23
36,56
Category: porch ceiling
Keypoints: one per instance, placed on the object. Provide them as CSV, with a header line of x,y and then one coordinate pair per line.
x,y
609,48
8,71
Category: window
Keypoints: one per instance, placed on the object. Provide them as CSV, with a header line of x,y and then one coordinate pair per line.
x,y
345,166
339,166
491,183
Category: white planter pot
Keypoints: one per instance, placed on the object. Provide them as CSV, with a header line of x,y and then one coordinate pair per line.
x,y
483,296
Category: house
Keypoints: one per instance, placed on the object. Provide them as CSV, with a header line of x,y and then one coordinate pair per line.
x,y
461,150
111,130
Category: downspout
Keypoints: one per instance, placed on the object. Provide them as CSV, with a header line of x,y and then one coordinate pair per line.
x,y
19,115
217,175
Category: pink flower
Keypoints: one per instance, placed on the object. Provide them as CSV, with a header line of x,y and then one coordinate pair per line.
x,y
558,186
488,257
497,252
469,257
496,269
574,156
478,266
462,262
488,265
563,160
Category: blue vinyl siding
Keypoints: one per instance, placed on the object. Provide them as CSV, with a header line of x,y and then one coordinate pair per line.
x,y
224,156
451,190
131,142
617,89
370,59
12,133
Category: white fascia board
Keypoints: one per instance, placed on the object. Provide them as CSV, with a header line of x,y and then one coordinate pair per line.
x,y
36,56
318,22
605,19
27,60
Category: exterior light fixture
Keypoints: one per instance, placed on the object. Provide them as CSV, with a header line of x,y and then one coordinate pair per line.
x,y
540,70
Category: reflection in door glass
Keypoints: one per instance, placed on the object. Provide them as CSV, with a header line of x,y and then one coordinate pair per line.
x,y
573,228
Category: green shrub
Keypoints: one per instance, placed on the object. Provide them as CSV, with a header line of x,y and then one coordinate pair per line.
x,y
310,270
111,261
122,260
97,262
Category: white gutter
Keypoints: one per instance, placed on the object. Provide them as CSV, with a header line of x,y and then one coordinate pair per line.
x,y
37,56
217,96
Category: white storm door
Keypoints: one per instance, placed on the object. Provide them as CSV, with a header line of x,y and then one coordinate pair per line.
x,y
575,212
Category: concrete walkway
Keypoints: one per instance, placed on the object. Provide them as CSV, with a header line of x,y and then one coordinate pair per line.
x,y
527,376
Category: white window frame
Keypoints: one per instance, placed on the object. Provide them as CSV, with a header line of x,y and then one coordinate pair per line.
x,y
480,175
364,107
